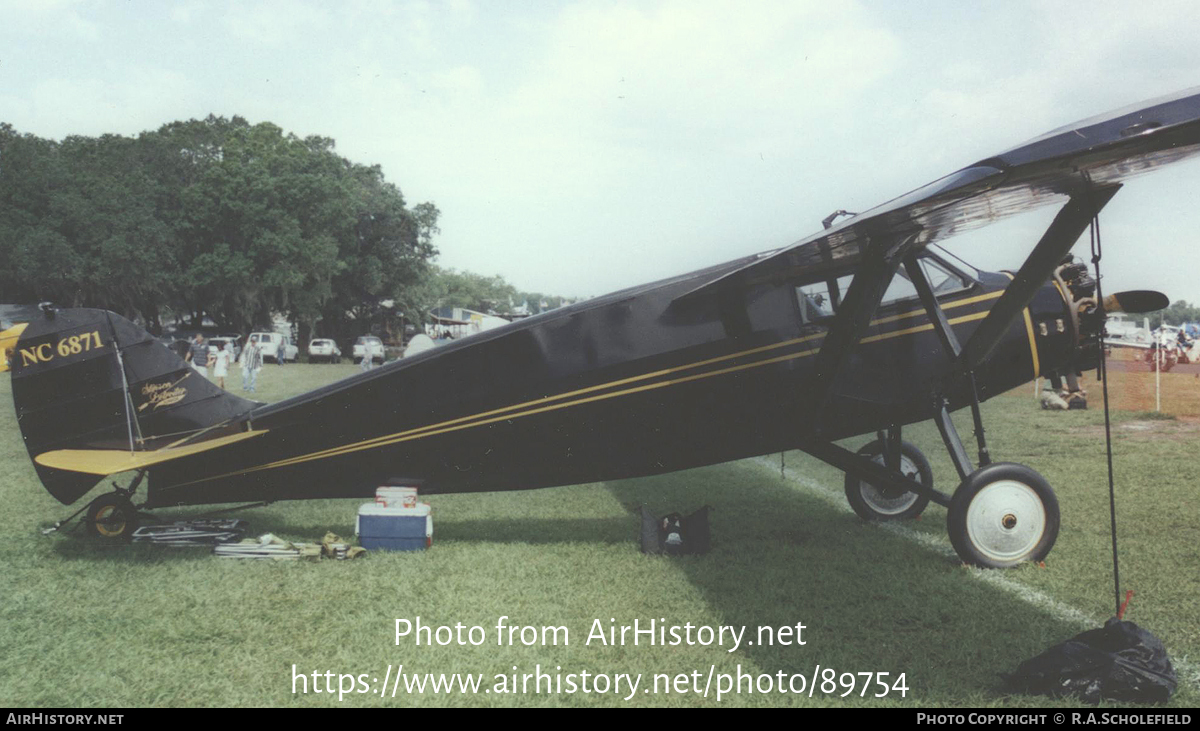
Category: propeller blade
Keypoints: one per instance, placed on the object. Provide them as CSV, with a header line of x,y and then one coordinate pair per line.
x,y
1136,301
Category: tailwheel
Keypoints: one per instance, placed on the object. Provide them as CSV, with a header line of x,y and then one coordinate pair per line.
x,y
1002,515
873,503
112,518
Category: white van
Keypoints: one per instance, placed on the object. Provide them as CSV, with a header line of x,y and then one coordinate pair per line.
x,y
276,347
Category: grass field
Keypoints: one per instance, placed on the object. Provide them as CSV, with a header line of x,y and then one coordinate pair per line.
x,y
82,625
1179,392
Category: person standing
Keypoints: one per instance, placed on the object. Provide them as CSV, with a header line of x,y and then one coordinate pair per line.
x,y
198,355
251,363
221,363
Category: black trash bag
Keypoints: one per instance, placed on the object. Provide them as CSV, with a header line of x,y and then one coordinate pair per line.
x,y
675,534
1119,662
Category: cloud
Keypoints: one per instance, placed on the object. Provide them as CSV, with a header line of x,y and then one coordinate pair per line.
x,y
126,102
49,18
275,24
587,146
712,68
623,103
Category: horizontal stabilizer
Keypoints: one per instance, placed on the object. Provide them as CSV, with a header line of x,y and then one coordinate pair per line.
x,y
112,461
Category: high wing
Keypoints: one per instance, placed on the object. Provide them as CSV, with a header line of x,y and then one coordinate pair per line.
x,y
1095,153
1083,164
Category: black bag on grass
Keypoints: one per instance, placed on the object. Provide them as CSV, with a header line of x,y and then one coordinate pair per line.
x,y
674,534
1118,662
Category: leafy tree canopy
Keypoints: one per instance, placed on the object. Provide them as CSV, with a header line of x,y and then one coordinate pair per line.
x,y
1178,313
212,217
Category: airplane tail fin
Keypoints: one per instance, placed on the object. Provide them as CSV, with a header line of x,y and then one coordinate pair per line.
x,y
85,379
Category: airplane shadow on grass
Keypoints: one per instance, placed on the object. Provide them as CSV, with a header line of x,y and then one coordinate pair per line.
x,y
870,600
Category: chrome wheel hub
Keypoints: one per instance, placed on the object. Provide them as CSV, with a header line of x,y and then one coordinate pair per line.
x,y
1006,521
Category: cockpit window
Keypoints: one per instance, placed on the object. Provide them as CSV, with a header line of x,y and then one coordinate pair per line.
x,y
942,280
821,299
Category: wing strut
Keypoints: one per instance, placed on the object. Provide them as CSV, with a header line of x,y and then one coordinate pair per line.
x,y
879,265
958,454
916,275
1055,244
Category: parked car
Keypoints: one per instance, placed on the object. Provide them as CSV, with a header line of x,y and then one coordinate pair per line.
x,y
324,349
217,343
368,346
276,347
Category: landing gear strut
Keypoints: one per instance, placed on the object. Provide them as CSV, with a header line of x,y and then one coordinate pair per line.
x,y
1001,515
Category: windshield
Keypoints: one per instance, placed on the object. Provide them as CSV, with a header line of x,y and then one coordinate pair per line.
x,y
819,300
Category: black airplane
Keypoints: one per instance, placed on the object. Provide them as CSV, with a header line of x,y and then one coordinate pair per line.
x,y
861,328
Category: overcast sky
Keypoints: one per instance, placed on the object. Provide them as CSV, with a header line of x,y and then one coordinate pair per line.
x,y
576,148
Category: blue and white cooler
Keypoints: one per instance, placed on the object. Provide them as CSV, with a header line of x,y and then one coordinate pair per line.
x,y
394,528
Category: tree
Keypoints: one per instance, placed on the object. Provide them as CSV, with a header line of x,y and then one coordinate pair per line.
x,y
451,288
1178,313
385,256
207,218
78,224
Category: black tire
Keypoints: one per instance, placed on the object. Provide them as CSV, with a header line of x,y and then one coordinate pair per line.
x,y
1002,515
871,503
112,518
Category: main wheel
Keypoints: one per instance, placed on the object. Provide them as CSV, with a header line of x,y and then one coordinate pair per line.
x,y
873,503
1002,515
112,517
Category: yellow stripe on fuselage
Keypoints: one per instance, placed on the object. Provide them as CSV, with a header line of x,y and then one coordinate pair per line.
x,y
922,328
1033,348
947,306
440,427
547,403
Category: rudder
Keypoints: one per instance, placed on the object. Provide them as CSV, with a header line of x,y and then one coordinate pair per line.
x,y
71,370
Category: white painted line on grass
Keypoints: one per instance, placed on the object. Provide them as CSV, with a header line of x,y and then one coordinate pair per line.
x,y
1186,671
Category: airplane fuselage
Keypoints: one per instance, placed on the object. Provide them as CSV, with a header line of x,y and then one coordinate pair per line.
x,y
630,384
